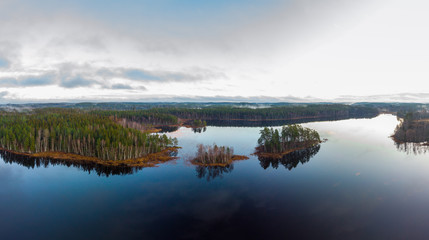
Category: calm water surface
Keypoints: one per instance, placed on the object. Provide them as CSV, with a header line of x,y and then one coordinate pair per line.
x,y
358,185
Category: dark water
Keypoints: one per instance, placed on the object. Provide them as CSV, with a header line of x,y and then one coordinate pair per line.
x,y
357,185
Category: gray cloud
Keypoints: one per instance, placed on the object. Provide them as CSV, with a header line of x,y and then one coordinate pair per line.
x,y
137,74
8,82
224,98
121,86
3,94
399,97
71,75
76,82
160,76
169,76
9,53
46,79
27,81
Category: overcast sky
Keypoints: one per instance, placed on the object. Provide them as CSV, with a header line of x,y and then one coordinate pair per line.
x,y
219,50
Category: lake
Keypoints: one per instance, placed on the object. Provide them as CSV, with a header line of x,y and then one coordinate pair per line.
x,y
358,185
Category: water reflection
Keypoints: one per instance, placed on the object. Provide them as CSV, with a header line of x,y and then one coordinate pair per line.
x,y
168,129
212,172
412,148
199,129
33,162
290,160
272,123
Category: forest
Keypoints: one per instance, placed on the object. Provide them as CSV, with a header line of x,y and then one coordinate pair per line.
x,y
139,116
77,132
289,138
199,114
413,128
269,113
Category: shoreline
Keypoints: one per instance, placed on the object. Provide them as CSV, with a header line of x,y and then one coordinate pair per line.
x,y
232,160
150,160
405,142
184,122
262,154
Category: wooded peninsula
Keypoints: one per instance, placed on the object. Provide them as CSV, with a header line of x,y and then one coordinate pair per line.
x,y
65,133
413,128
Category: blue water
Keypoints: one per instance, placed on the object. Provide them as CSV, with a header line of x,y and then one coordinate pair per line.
x,y
357,186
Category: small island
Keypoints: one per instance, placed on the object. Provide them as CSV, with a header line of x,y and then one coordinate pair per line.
x,y
273,143
215,156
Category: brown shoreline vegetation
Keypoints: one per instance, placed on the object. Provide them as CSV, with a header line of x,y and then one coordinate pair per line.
x,y
232,160
150,160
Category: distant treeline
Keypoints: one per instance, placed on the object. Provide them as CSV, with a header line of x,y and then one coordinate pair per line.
x,y
272,113
161,114
140,116
198,117
73,131
271,123
399,108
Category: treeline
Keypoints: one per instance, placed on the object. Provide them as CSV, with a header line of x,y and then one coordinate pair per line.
x,y
140,116
288,138
400,108
197,123
73,131
158,114
414,127
269,113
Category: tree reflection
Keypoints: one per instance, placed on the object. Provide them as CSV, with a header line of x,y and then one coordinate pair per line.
x,y
199,129
168,129
212,172
34,162
270,123
412,148
290,160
